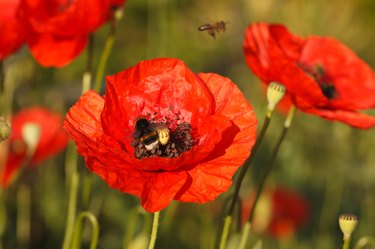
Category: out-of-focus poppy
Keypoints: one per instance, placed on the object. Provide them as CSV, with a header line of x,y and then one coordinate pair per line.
x,y
12,31
50,139
55,31
322,76
280,212
211,126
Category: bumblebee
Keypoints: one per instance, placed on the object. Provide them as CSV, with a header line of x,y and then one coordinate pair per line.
x,y
150,134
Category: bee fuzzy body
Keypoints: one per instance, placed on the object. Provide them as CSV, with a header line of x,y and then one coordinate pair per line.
x,y
150,134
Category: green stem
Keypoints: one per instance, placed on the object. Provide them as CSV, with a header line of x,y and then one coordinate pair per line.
x,y
224,236
241,176
267,170
23,215
155,225
78,230
107,50
72,206
3,218
245,235
2,77
87,75
346,244
131,225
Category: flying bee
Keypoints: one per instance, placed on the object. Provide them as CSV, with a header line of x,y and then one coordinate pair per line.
x,y
213,28
150,134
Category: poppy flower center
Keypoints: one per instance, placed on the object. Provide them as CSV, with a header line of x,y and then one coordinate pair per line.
x,y
324,81
161,136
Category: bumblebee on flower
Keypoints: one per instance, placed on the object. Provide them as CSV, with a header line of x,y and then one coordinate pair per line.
x,y
164,133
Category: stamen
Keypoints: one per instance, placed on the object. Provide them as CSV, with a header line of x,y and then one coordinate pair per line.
x,y
162,136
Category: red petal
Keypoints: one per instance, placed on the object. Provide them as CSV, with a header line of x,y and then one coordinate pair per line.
x,y
353,79
214,175
13,34
52,139
57,52
355,119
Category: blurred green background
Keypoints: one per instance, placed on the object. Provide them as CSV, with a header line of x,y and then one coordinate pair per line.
x,y
331,164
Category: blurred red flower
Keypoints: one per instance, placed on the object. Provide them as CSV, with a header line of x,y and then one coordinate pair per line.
x,y
211,125
52,139
322,76
13,33
56,31
280,212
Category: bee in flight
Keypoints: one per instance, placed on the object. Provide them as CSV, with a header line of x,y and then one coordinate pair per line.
x,y
213,28
150,134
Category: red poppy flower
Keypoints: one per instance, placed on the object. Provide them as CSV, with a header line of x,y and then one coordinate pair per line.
x,y
122,135
57,31
52,139
322,76
279,213
13,34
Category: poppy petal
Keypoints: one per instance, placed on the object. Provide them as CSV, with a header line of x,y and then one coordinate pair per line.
x,y
215,174
355,119
50,51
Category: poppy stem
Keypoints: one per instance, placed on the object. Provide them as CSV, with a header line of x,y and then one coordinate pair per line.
x,y
71,168
107,50
3,217
266,172
2,77
241,176
23,215
132,224
78,230
346,244
155,225
87,76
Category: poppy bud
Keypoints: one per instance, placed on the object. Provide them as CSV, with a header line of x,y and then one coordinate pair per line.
x,y
348,223
31,135
275,93
4,129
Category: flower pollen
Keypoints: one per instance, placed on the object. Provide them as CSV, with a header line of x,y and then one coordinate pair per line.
x,y
161,136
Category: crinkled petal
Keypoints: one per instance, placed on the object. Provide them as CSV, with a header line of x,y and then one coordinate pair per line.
x,y
154,85
214,175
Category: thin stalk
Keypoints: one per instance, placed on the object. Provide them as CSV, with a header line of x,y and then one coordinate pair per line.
x,y
266,172
23,216
244,235
131,226
71,158
2,77
224,236
107,50
3,218
72,207
78,230
241,176
346,244
155,225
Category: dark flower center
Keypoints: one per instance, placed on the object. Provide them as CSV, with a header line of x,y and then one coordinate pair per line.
x,y
162,136
319,75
